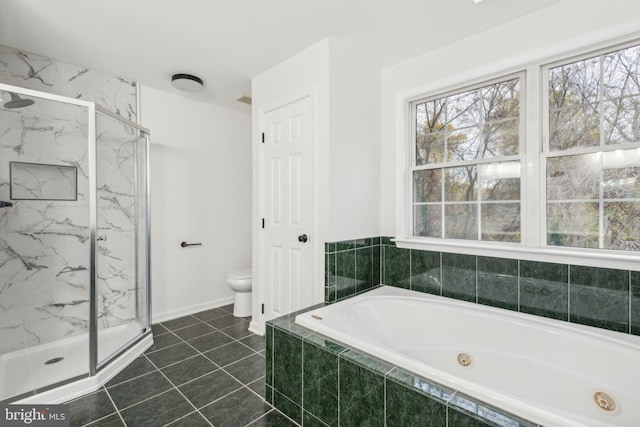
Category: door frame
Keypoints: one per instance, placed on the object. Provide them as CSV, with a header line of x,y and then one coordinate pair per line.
x,y
259,290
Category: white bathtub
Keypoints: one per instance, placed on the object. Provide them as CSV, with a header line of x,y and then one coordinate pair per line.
x,y
546,371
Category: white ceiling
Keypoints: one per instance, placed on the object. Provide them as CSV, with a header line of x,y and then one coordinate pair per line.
x,y
227,42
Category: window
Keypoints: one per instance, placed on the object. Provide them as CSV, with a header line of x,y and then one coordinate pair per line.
x,y
577,183
466,168
592,159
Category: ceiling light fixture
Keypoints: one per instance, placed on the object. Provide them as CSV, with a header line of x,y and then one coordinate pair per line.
x,y
477,1
187,82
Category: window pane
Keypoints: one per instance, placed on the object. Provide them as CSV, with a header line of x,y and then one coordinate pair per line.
x,y
501,222
572,224
501,100
429,148
573,105
622,226
575,101
573,177
621,121
427,186
463,144
434,115
461,221
427,220
460,184
429,121
574,127
500,189
621,174
621,70
500,139
463,110
591,103
575,83
475,124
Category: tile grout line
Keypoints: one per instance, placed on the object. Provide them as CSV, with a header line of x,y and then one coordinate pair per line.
x,y
129,379
215,348
186,416
183,341
164,331
93,422
181,394
273,409
142,401
227,395
199,353
114,405
195,323
175,363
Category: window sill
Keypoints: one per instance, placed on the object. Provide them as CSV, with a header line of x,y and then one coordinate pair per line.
x,y
591,258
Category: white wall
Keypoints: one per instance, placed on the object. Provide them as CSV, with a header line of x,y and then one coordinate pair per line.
x,y
354,143
565,26
200,192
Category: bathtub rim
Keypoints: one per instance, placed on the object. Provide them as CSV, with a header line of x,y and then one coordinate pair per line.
x,y
619,338
501,401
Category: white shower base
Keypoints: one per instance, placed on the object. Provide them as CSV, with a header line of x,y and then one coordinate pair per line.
x,y
22,371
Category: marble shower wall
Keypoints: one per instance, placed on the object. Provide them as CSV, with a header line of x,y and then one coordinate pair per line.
x,y
44,244
37,72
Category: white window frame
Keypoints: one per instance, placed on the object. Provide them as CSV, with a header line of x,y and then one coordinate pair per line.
x,y
533,164
576,151
520,157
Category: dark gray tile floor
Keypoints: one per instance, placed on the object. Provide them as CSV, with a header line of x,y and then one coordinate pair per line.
x,y
205,369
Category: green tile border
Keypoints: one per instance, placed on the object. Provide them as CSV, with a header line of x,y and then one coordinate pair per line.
x,y
540,288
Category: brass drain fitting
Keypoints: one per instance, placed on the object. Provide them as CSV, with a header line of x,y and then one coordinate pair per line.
x,y
465,359
605,401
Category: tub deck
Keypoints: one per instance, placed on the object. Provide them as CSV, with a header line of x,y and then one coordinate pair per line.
x,y
551,372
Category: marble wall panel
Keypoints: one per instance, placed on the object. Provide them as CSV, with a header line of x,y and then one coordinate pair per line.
x,y
44,244
37,72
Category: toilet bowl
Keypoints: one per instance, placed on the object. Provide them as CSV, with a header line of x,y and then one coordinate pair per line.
x,y
240,282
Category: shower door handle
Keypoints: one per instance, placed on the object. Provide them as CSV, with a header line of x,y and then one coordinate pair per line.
x,y
303,238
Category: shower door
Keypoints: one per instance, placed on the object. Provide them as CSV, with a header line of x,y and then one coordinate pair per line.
x,y
44,241
121,234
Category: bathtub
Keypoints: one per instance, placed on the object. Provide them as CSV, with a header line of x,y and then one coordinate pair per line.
x,y
550,372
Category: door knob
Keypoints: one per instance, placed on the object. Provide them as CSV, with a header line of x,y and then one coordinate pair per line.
x,y
303,238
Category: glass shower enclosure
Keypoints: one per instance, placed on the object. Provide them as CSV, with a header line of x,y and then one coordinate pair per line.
x,y
74,239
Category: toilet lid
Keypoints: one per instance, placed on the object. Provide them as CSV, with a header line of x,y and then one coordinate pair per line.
x,y
245,273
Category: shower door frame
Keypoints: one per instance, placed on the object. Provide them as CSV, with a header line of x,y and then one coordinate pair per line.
x,y
92,110
94,364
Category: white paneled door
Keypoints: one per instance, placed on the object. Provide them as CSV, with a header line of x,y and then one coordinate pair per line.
x,y
287,208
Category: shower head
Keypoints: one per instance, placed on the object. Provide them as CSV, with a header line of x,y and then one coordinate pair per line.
x,y
17,102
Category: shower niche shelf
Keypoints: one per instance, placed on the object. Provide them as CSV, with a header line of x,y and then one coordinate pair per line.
x,y
40,181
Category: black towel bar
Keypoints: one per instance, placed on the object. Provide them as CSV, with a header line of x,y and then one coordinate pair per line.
x,y
185,244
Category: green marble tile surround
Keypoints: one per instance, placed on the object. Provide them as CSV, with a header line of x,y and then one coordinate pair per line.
x,y
599,297
319,382
351,267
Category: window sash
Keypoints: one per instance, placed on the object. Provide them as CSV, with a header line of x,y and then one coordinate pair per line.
x,y
479,204
598,201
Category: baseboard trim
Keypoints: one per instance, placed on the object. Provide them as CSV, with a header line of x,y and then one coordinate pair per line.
x,y
255,328
184,311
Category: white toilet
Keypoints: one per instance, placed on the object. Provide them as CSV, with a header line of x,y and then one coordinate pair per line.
x,y
240,282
